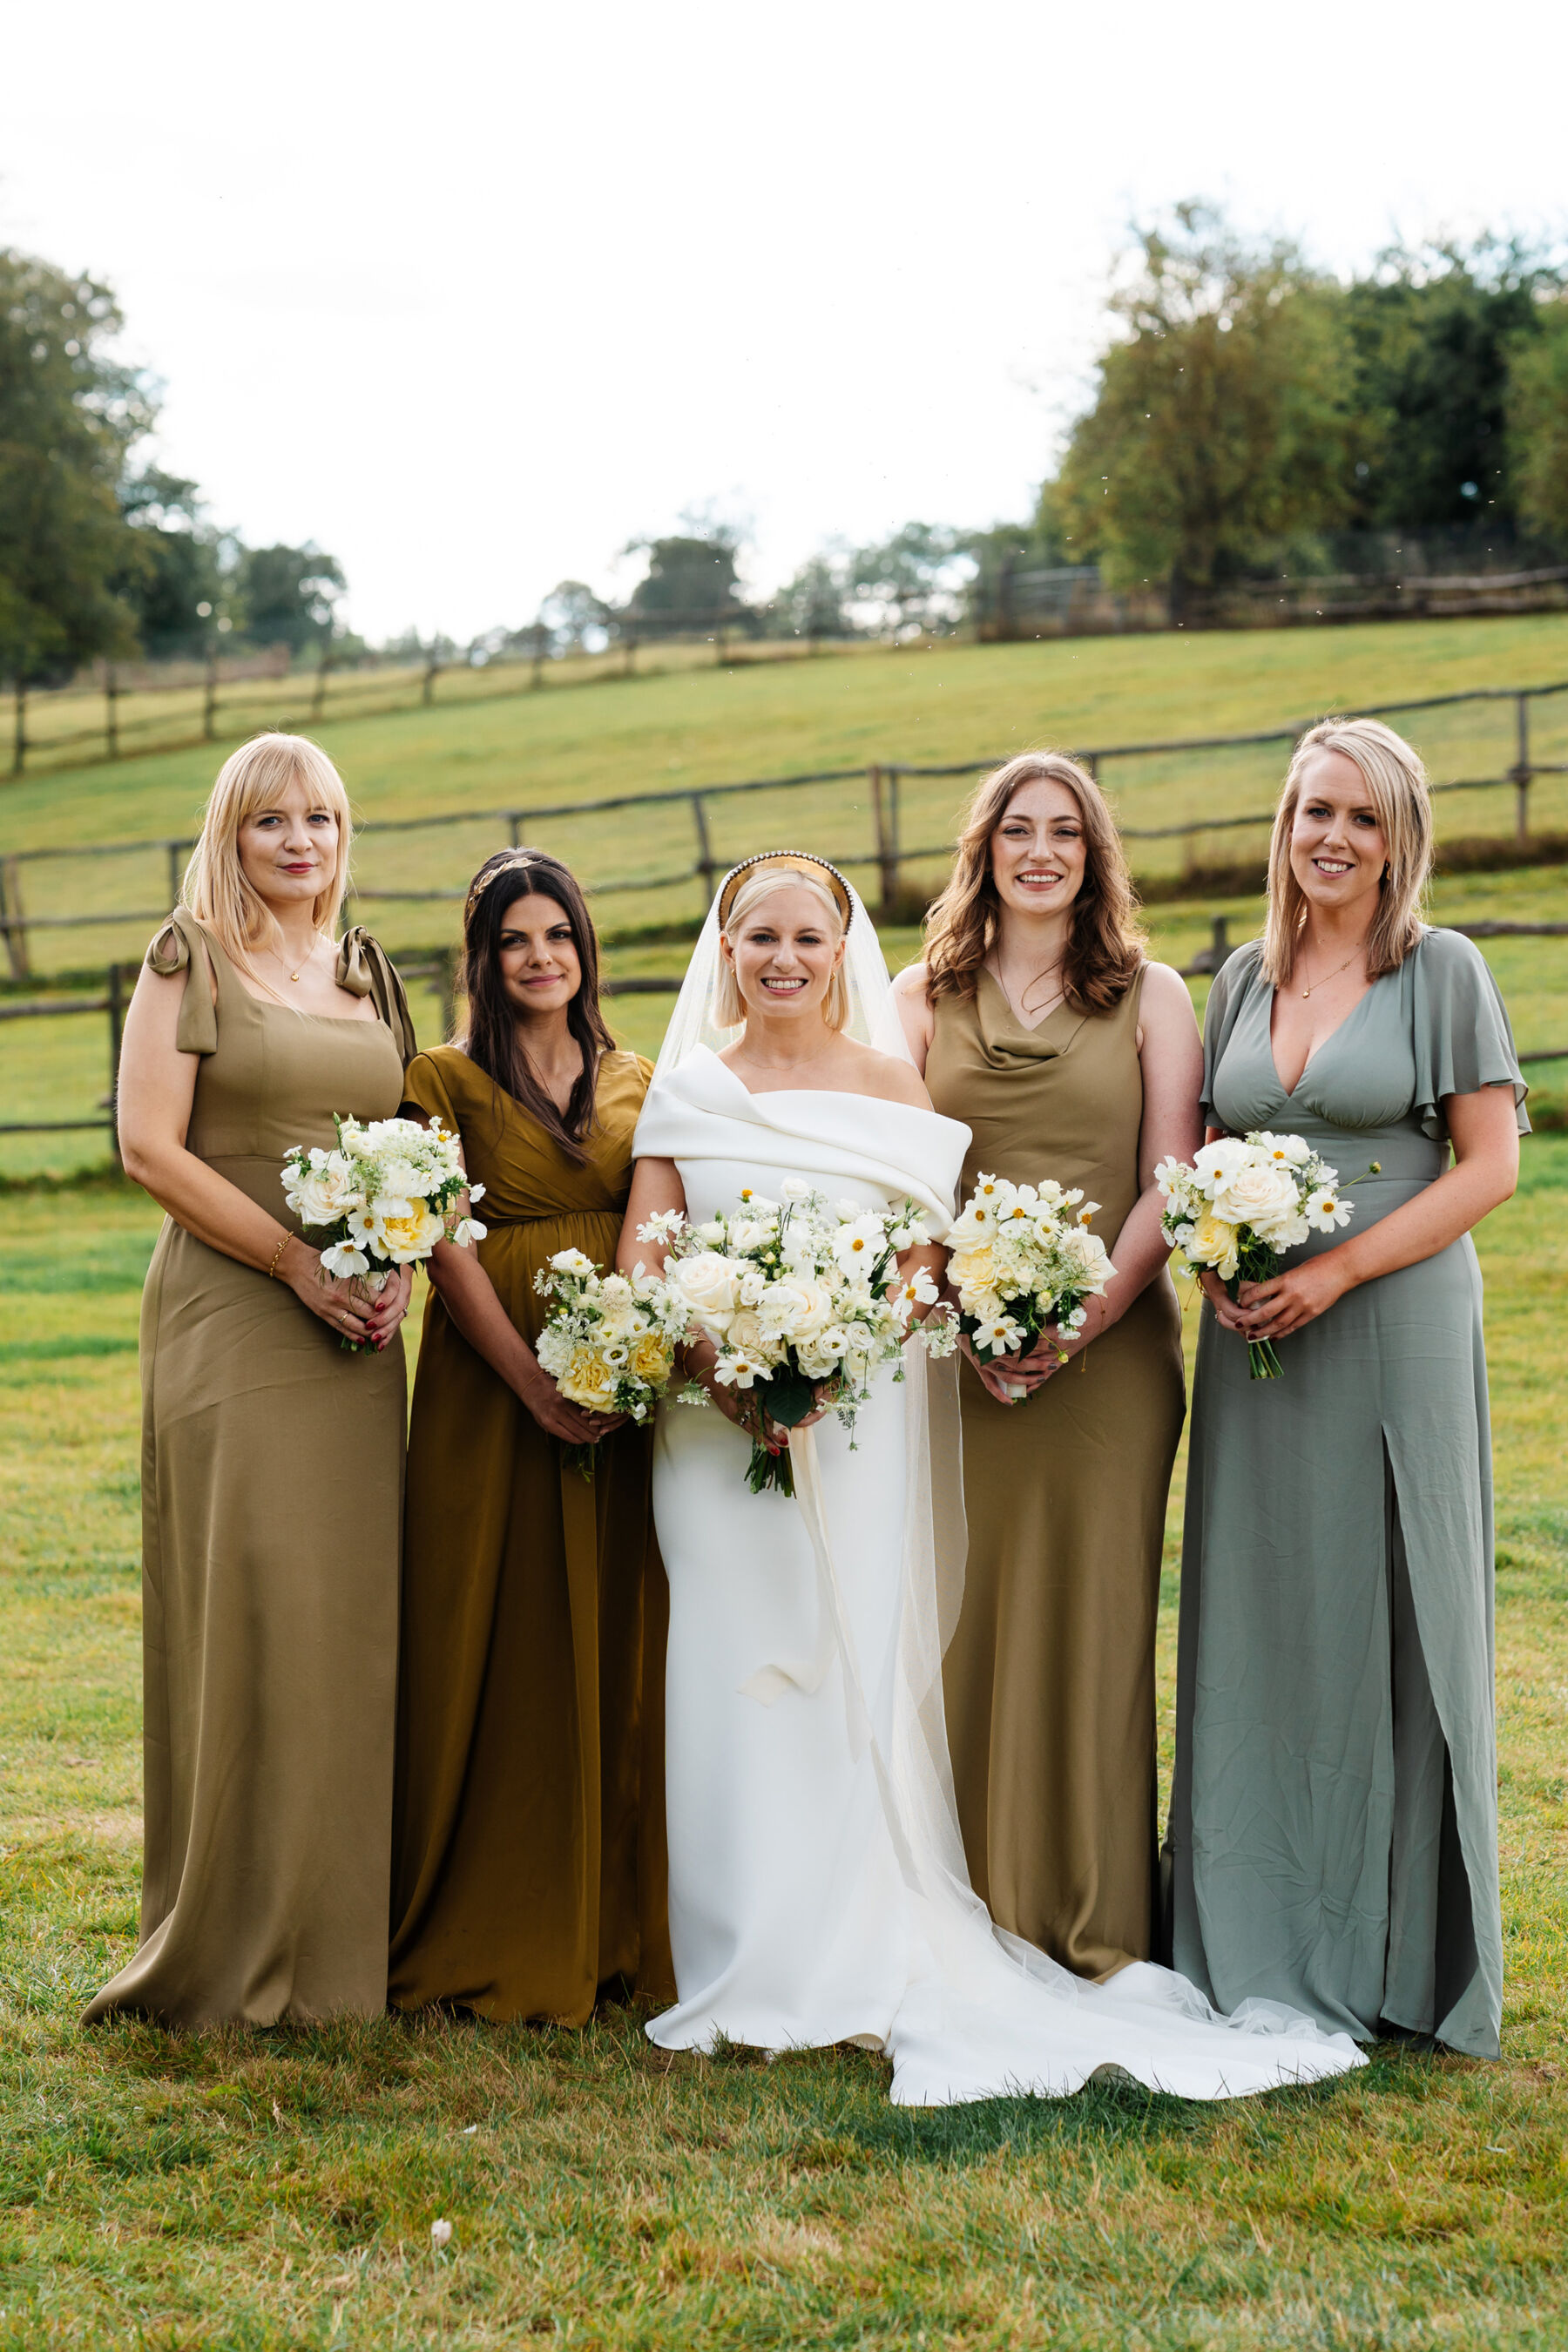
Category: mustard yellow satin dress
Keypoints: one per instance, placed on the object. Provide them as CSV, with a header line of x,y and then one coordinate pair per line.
x,y
529,1848
272,1507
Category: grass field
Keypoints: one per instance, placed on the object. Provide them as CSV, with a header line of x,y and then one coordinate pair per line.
x,y
942,702
278,2189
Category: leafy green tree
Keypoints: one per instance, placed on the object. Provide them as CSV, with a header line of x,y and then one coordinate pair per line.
x,y
1218,420
69,412
913,581
1435,334
178,579
690,584
575,620
813,604
286,595
1537,422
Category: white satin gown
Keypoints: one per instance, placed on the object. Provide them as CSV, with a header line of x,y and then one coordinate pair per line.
x,y
818,1891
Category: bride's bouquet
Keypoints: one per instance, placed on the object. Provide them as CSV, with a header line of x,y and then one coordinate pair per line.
x,y
384,1196
1241,1205
1023,1261
802,1298
610,1343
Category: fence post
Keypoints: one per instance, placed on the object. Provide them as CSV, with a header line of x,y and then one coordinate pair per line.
x,y
19,734
885,853
11,908
1520,771
110,712
705,863
209,697
515,822
432,671
116,1031
629,666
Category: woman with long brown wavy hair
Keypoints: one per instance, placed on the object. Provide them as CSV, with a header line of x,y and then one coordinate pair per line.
x,y
528,1864
1039,1022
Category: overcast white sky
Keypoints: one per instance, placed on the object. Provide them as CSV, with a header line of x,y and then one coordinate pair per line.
x,y
473,295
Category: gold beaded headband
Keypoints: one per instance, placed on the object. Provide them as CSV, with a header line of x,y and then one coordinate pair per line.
x,y
481,882
797,861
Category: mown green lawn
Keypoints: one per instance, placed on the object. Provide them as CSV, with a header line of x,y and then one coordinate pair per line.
x,y
929,703
278,2189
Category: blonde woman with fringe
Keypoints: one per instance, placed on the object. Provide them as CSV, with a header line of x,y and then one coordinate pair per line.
x,y
1040,1020
271,1457
1334,1840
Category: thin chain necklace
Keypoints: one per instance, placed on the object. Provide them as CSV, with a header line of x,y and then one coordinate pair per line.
x,y
1022,998
1336,971
284,960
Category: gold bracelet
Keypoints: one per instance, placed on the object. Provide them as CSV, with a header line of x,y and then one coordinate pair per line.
x,y
277,1253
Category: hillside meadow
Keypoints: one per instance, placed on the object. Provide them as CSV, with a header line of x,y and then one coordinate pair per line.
x,y
252,2192
938,701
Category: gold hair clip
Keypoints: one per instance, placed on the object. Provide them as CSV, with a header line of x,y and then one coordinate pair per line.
x,y
481,882
797,861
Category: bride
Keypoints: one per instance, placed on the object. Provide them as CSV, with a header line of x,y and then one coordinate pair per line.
x,y
817,1889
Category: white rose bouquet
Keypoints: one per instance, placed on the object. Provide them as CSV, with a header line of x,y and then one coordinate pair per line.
x,y
1024,1260
386,1196
1242,1203
610,1343
802,1298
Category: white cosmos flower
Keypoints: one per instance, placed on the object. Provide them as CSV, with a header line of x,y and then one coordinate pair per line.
x,y
1287,1148
858,1244
1217,1162
476,1192
1324,1210
342,1260
466,1230
999,1331
739,1370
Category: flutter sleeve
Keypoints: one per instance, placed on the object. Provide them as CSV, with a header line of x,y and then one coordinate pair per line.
x,y
1226,996
180,946
365,969
425,1088
1463,1039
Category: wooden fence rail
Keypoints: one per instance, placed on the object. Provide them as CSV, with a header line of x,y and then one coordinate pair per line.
x,y
438,974
885,854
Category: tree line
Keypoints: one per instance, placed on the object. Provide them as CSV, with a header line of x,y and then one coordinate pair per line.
x,y
1250,415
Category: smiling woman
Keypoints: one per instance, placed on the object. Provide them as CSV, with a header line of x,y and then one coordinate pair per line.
x,y
1334,1838
528,1855
269,1577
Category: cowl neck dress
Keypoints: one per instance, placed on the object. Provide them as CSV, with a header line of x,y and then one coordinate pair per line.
x,y
817,1888
530,1822
1333,1837
1050,1678
271,1504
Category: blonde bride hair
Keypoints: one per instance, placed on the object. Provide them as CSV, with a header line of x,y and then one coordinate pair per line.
x,y
215,888
1397,787
729,1005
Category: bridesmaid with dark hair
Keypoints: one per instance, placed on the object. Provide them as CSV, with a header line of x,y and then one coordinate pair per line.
x,y
528,1863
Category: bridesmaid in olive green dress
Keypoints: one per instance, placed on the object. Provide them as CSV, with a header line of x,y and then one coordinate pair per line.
x,y
1038,1022
528,1856
271,1459
1333,1834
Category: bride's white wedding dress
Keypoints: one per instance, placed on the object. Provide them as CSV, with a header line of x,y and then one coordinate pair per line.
x,y
817,1888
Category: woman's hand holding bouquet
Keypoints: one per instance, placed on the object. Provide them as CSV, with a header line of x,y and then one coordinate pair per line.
x,y
1023,1266
610,1344
384,1198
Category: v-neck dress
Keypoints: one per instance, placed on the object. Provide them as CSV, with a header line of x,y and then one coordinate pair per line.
x,y
271,1503
1049,1678
1332,1838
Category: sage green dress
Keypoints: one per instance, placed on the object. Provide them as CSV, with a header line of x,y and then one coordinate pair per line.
x,y
271,1502
1333,1835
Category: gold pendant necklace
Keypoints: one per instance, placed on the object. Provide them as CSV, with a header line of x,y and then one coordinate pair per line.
x,y
1331,975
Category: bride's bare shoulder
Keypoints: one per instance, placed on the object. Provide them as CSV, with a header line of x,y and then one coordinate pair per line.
x,y
888,1079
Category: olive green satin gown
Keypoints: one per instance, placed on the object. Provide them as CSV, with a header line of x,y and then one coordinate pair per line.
x,y
1049,1678
529,1853
271,1499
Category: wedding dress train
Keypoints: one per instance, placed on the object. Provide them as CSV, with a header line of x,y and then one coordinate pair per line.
x,y
817,1888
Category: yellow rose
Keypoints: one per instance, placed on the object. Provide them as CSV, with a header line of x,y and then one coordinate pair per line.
x,y
1214,1244
651,1358
587,1381
412,1229
974,1269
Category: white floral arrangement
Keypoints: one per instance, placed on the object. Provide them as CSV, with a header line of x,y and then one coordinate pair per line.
x,y
1244,1201
385,1194
610,1343
1022,1262
802,1298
